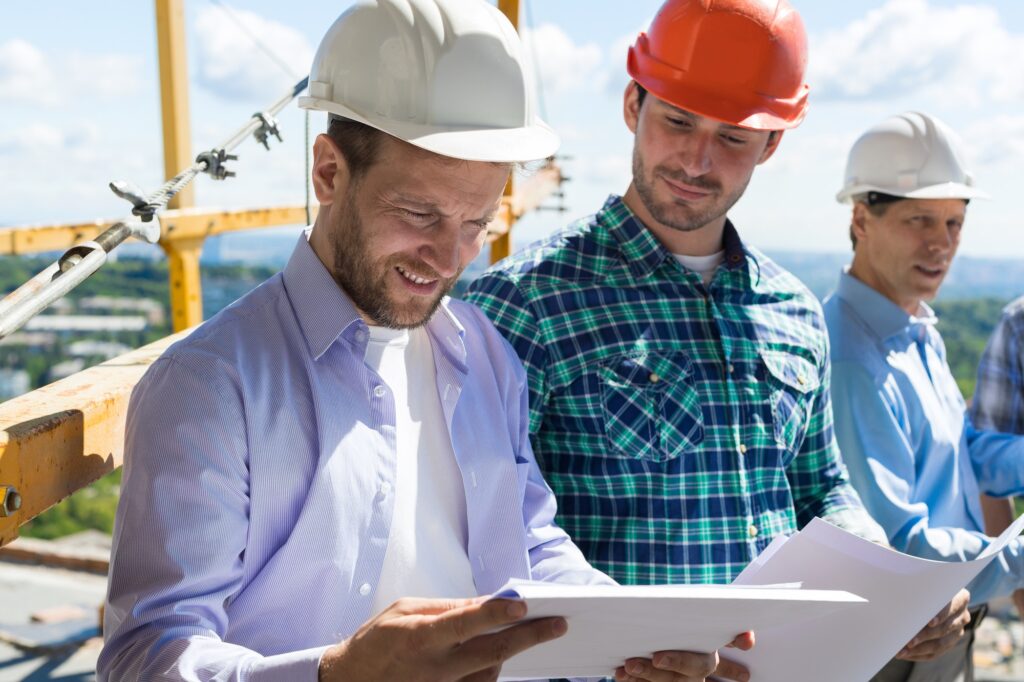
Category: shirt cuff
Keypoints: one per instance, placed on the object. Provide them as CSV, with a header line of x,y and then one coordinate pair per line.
x,y
297,666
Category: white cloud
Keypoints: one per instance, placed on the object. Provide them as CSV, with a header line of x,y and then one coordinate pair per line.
x,y
617,53
800,152
962,53
996,140
25,75
110,75
564,65
29,76
36,137
233,65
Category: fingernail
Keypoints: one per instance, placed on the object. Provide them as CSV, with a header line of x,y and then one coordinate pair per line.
x,y
516,609
664,661
636,667
559,626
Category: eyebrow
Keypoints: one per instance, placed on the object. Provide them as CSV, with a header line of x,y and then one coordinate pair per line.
x,y
689,115
424,205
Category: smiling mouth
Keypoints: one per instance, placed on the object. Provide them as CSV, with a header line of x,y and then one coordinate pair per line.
x,y
415,279
686,191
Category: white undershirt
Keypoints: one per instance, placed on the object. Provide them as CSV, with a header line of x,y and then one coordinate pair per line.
x,y
704,266
426,554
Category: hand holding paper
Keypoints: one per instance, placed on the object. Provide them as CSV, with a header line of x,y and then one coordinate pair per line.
x,y
612,624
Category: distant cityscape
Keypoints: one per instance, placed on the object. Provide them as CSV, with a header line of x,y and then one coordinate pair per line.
x,y
126,304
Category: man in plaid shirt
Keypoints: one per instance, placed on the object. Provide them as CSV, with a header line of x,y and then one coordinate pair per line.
x,y
678,378
999,395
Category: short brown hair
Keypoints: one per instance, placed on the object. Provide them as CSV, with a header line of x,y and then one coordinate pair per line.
x,y
876,203
358,142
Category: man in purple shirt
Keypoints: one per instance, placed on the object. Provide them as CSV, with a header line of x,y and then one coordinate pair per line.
x,y
344,435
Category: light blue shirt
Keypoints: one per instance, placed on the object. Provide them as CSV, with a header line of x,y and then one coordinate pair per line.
x,y
259,476
903,429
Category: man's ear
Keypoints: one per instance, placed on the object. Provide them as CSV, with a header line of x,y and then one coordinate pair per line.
x,y
858,222
631,106
774,138
331,175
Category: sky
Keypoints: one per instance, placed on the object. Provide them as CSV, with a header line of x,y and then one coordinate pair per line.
x,y
79,105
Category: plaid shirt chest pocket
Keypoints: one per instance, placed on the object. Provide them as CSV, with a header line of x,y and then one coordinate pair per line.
x,y
792,382
650,406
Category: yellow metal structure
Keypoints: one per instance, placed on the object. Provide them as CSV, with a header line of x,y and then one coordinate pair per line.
x,y
501,247
182,254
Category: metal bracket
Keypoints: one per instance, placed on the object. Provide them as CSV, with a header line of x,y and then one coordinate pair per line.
x,y
10,500
133,195
268,127
214,161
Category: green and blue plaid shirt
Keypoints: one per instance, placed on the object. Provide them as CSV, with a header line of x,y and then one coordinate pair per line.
x,y
681,427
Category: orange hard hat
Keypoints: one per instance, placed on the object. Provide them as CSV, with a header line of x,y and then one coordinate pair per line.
x,y
737,61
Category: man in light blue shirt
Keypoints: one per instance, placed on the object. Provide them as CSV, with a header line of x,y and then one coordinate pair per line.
x,y
344,435
911,450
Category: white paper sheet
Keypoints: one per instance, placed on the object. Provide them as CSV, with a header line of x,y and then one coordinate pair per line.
x,y
608,624
904,593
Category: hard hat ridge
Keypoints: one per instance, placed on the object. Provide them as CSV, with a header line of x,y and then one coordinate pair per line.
x,y
445,75
913,156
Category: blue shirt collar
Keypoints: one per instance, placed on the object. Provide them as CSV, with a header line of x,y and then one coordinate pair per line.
x,y
882,316
325,312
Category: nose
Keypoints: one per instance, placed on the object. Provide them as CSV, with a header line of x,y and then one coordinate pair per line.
x,y
441,252
695,154
944,239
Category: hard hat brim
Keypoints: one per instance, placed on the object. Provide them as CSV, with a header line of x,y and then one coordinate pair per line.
x,y
498,145
946,190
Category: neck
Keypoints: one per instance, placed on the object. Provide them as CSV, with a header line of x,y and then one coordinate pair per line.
x,y
700,241
868,276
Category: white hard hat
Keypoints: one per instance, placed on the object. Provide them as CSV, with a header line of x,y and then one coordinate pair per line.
x,y
912,155
445,75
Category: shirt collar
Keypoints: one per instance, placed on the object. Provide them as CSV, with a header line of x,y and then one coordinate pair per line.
x,y
322,308
882,316
325,312
642,250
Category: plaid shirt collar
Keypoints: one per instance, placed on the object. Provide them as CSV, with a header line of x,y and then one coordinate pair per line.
x,y
642,251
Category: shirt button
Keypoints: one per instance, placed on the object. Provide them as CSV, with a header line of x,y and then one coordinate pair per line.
x,y
364,589
360,336
385,488
743,449
654,378
730,368
379,391
753,531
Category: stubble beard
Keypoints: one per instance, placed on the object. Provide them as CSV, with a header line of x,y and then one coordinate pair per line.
x,y
366,281
671,214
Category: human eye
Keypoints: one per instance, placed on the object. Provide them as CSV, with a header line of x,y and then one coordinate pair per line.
x,y
677,122
418,217
735,140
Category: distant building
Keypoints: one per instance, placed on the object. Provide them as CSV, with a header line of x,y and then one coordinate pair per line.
x,y
13,382
152,309
33,339
65,369
87,323
89,348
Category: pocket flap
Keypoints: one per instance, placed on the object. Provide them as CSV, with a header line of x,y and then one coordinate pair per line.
x,y
792,370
